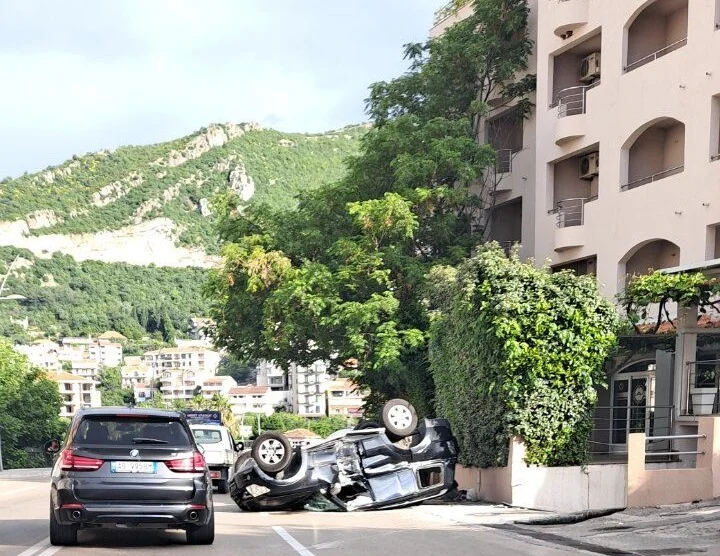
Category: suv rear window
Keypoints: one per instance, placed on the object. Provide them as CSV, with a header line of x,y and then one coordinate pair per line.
x,y
207,436
128,431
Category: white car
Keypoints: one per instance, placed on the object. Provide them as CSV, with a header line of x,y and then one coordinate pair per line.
x,y
219,451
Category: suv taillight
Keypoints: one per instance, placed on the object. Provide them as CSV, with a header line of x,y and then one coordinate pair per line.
x,y
193,464
70,462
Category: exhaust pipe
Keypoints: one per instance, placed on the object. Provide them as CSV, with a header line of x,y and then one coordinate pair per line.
x,y
76,514
192,515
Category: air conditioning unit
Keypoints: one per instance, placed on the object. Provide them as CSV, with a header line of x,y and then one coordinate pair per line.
x,y
589,166
590,68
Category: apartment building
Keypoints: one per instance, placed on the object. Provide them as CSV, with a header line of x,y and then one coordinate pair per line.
x,y
76,392
636,83
344,398
307,388
43,354
105,352
86,368
255,399
181,370
218,385
269,374
134,371
508,186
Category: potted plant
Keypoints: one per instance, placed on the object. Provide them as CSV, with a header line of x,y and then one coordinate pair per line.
x,y
705,389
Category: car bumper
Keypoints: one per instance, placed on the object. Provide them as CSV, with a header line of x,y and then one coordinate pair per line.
x,y
147,515
70,510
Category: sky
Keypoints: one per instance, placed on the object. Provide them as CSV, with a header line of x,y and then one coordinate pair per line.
x,y
80,75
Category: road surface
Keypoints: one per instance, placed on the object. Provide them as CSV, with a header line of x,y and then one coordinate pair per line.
x,y
411,532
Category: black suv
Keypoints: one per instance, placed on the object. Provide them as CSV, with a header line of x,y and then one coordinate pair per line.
x,y
130,468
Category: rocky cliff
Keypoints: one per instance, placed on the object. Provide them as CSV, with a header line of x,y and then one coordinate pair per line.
x,y
153,204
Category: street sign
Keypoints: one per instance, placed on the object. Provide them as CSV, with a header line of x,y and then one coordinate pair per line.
x,y
205,416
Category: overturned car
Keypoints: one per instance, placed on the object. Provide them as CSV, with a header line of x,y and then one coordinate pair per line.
x,y
376,465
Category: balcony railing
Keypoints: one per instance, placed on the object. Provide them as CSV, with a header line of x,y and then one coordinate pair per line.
x,y
571,212
572,101
654,177
655,55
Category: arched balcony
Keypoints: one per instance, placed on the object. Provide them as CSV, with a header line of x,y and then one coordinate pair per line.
x,y
658,28
648,256
653,152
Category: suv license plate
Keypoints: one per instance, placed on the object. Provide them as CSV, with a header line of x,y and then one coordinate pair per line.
x,y
133,467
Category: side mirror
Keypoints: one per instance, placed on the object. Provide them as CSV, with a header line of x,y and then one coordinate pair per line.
x,y
239,446
52,446
201,448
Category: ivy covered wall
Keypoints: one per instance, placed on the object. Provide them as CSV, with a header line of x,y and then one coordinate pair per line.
x,y
518,350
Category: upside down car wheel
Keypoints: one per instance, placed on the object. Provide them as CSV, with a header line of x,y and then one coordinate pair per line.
x,y
272,451
399,419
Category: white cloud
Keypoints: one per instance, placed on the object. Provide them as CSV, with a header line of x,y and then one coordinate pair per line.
x,y
84,75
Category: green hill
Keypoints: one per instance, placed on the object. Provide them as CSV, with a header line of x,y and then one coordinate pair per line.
x,y
110,190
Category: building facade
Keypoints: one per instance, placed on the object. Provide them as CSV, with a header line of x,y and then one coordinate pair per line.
x,y
344,398
181,371
255,399
307,388
76,392
636,83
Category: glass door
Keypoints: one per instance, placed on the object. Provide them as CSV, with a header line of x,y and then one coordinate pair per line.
x,y
632,401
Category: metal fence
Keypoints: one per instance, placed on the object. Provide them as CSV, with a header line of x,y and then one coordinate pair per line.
x,y
571,212
654,177
655,55
573,100
613,423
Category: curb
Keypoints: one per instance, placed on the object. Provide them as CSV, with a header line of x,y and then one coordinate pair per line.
x,y
39,472
567,519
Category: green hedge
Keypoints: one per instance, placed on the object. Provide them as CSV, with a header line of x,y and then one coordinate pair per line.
x,y
518,350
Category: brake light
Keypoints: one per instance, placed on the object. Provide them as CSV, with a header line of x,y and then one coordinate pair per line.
x,y
70,462
193,464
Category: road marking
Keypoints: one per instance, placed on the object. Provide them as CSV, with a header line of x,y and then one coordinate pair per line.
x,y
34,548
288,538
50,551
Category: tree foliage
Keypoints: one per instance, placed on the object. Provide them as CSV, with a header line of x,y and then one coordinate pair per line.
x,y
91,297
29,408
280,164
283,422
341,277
516,350
657,289
111,389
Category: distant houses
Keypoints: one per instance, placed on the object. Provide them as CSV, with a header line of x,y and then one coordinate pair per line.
x,y
187,370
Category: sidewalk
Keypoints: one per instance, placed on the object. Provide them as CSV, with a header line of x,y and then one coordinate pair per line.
x,y
657,531
24,474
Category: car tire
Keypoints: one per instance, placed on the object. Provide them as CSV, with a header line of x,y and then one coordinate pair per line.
x,y
399,419
61,535
272,451
222,486
362,425
202,534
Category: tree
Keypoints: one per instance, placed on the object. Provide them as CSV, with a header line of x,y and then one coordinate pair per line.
x,y
29,408
518,350
111,390
342,277
241,372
